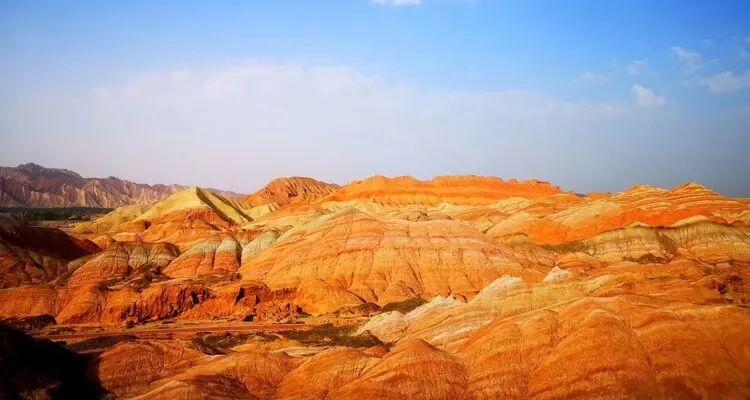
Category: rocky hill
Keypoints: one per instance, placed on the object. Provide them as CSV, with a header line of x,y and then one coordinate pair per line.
x,y
31,185
458,287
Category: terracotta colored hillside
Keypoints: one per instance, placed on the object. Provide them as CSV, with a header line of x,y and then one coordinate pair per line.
x,y
460,190
283,191
392,288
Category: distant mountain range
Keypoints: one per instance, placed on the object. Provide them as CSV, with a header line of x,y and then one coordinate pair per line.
x,y
31,185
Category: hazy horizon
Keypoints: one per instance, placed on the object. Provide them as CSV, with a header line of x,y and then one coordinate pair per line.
x,y
591,96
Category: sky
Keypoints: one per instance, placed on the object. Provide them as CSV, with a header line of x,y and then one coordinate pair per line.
x,y
591,95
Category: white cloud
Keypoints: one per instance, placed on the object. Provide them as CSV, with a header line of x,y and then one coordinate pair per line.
x,y
589,76
690,60
646,97
239,125
397,2
726,82
636,67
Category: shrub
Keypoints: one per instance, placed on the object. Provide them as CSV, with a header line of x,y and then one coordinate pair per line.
x,y
404,306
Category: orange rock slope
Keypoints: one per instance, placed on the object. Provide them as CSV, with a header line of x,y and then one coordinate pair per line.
x,y
283,191
454,288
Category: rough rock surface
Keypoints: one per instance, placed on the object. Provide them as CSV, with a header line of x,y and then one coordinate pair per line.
x,y
384,261
34,255
122,261
459,287
283,191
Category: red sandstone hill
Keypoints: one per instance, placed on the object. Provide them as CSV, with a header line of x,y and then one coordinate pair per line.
x,y
455,288
458,189
31,185
283,191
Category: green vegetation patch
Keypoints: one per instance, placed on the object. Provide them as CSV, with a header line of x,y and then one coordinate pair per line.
x,y
404,306
213,344
328,334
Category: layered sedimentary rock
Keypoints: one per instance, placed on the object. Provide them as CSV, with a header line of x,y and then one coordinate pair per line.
x,y
218,255
114,220
644,205
31,185
183,219
283,191
411,370
384,260
341,366
34,255
461,190
122,261
130,367
483,289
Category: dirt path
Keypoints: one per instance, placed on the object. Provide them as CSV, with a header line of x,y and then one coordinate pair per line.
x,y
179,330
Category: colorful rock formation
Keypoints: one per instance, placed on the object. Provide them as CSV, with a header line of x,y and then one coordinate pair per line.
x,y
459,287
31,185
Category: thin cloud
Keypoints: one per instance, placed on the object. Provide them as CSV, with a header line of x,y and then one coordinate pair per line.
x,y
726,81
707,42
645,97
689,59
594,77
397,2
636,67
236,126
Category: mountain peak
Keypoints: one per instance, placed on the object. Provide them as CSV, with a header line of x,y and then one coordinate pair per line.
x,y
295,189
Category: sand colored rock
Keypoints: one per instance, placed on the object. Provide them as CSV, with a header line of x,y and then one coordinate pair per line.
x,y
114,219
283,191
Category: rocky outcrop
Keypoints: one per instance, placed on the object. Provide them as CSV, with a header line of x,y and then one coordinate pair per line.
x,y
219,255
411,370
122,261
383,261
130,367
35,255
31,185
323,373
284,191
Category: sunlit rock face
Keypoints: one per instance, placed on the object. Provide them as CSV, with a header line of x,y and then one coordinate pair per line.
x,y
284,191
455,288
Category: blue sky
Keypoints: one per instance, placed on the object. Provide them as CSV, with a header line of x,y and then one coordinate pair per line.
x,y
591,95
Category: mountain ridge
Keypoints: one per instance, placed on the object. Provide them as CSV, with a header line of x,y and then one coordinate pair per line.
x,y
32,185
